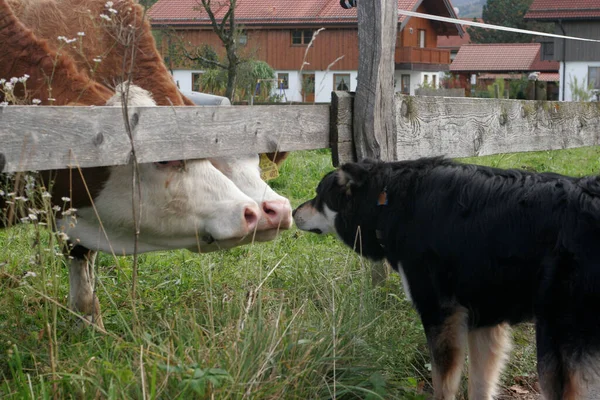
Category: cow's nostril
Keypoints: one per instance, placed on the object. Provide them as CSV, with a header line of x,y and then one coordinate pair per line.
x,y
251,217
268,209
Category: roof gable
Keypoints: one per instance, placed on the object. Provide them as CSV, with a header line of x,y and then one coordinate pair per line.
x,y
563,9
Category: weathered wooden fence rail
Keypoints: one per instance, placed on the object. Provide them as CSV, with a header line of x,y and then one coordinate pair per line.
x,y
467,127
38,138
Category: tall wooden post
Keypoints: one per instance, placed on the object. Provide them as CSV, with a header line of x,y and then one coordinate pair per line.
x,y
374,111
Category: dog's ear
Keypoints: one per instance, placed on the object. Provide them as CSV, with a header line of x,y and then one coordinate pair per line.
x,y
352,175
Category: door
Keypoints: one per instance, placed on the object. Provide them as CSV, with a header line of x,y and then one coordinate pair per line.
x,y
308,88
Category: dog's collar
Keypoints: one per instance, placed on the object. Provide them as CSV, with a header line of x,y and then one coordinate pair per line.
x,y
382,199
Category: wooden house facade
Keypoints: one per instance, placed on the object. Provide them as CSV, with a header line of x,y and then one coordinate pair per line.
x,y
279,34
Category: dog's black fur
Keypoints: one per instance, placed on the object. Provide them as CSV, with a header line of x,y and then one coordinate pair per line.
x,y
500,246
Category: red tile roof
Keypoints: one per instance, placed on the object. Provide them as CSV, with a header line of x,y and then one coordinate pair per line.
x,y
509,57
543,76
261,12
564,9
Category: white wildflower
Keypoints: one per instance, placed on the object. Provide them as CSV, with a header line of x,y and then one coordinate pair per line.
x,y
3,104
80,33
46,195
51,99
112,10
21,198
36,102
56,208
14,80
8,86
65,199
109,4
69,211
32,217
24,220
62,236
29,274
106,17
97,60
2,81
1,192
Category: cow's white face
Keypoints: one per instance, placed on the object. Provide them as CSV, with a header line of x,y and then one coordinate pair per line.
x,y
189,205
180,208
276,210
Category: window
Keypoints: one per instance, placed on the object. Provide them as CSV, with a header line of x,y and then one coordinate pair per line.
x,y
341,82
300,37
405,84
548,50
283,80
425,79
421,38
196,81
594,77
242,38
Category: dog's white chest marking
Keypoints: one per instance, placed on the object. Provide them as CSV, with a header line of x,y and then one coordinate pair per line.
x,y
404,282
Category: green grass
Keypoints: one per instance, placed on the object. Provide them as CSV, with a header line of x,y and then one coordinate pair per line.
x,y
295,318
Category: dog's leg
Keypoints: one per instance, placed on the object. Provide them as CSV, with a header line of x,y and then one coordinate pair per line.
x,y
488,353
82,297
447,344
565,368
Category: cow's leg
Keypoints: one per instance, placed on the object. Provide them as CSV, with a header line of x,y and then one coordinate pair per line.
x,y
447,342
488,352
82,295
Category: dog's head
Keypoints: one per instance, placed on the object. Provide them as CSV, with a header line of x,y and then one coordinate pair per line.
x,y
347,203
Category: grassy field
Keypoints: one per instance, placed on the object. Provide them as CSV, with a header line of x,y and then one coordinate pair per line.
x,y
296,318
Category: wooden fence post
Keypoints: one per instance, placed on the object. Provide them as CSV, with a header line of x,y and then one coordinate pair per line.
x,y
374,111
374,108
342,145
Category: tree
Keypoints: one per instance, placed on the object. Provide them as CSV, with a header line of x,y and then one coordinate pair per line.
x,y
507,13
228,32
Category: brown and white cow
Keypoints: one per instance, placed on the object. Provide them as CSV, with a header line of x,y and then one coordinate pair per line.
x,y
201,205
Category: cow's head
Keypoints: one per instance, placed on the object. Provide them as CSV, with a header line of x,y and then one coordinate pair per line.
x,y
187,204
276,210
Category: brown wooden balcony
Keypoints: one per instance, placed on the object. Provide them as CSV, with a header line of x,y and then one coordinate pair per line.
x,y
422,55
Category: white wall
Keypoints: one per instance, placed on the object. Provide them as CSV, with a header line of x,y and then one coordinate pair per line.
x,y
577,69
416,79
323,82
323,85
183,78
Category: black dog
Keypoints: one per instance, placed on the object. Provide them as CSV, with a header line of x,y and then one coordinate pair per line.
x,y
479,249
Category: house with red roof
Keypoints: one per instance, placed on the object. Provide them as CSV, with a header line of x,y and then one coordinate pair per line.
x,y
579,61
477,66
279,32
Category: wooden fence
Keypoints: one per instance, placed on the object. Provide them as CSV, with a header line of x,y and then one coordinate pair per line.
x,y
38,138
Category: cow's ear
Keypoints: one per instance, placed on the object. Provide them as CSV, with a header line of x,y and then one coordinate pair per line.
x,y
352,175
